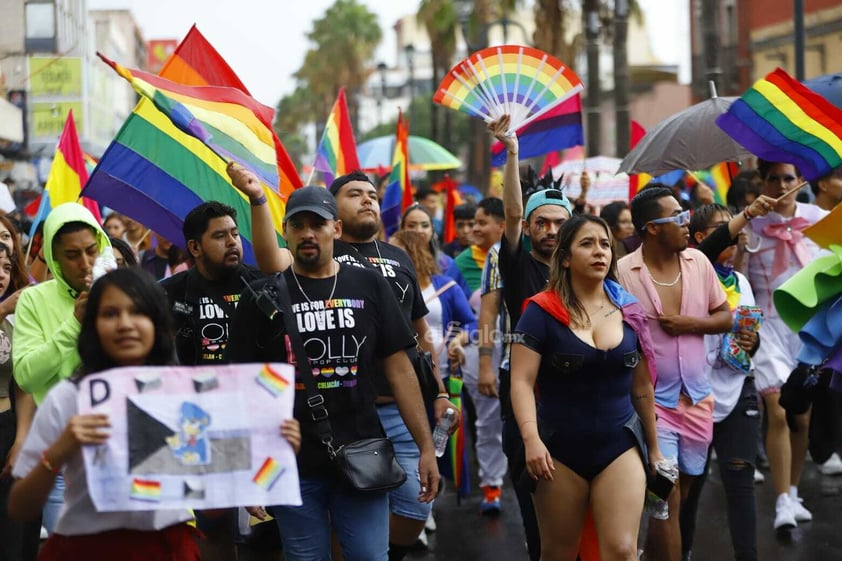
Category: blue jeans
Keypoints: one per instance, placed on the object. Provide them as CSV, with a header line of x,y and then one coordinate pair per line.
x,y
361,522
403,501
55,500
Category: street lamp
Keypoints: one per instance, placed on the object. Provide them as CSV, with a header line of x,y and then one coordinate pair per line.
x,y
381,69
409,50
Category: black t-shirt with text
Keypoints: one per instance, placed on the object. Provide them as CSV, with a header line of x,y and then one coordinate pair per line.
x,y
202,310
523,276
345,335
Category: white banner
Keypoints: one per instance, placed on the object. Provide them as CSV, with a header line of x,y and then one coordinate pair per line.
x,y
191,437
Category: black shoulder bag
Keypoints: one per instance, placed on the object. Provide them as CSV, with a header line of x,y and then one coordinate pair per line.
x,y
366,465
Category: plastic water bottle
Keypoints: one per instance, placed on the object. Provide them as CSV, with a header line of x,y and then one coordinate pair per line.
x,y
104,263
442,431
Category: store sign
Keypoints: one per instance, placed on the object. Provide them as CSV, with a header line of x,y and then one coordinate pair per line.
x,y
55,76
48,118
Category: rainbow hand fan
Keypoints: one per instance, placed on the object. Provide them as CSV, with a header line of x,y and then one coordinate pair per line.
x,y
511,79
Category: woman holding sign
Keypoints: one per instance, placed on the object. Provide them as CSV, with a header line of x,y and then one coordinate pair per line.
x,y
126,323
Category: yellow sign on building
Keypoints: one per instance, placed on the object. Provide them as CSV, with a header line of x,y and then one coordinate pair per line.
x,y
48,118
55,76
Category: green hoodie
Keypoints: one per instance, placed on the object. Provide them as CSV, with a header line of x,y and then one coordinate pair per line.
x,y
46,331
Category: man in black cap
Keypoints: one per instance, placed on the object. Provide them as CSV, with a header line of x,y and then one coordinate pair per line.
x,y
353,331
357,244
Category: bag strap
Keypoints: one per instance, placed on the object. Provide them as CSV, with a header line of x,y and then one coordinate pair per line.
x,y
315,400
440,291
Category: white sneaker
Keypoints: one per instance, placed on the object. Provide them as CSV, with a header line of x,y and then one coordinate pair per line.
x,y
758,477
422,542
800,513
430,524
833,465
44,534
784,518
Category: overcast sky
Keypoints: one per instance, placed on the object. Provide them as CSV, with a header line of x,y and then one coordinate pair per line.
x,y
264,40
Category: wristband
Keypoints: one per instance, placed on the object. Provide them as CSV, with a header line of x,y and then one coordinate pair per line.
x,y
443,396
261,200
747,215
47,465
485,351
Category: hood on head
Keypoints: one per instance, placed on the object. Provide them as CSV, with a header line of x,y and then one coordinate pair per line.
x,y
58,217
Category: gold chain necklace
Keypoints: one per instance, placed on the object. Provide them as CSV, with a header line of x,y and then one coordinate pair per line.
x,y
665,284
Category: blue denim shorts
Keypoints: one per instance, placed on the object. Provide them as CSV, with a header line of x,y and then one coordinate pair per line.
x,y
403,501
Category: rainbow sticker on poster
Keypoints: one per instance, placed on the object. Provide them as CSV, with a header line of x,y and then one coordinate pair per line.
x,y
146,490
508,80
272,381
268,474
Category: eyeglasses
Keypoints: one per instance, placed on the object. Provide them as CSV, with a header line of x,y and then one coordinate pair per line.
x,y
784,178
682,219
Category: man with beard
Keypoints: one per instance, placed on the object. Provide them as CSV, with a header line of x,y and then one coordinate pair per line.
x,y
366,337
684,301
203,300
359,213
523,274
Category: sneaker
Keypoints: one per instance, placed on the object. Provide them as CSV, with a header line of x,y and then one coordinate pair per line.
x,y
833,465
421,542
44,534
784,518
759,477
800,513
430,524
490,500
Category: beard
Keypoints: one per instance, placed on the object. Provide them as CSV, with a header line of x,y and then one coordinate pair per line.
x,y
363,230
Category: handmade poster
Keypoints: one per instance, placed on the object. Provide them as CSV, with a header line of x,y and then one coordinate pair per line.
x,y
191,437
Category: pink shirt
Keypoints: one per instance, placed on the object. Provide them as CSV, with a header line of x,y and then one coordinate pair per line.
x,y
680,360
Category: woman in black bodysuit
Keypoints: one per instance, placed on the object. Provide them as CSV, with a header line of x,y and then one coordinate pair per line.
x,y
585,342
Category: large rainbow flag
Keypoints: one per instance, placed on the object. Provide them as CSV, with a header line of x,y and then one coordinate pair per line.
x,y
337,151
155,173
398,195
780,120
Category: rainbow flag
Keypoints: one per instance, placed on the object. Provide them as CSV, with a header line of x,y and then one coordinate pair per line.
x,y
337,151
68,175
637,181
195,62
398,194
229,122
454,464
268,474
146,490
155,173
271,380
720,177
780,120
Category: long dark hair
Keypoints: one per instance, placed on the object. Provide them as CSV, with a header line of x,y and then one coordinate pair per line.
x,y
560,275
434,240
19,277
150,300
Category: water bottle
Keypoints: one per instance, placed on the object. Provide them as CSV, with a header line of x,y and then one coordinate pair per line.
x,y
442,431
104,263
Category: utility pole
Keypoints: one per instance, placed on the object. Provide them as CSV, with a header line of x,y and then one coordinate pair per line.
x,y
710,40
798,22
621,77
590,22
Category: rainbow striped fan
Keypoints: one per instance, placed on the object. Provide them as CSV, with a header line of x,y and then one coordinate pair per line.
x,y
510,79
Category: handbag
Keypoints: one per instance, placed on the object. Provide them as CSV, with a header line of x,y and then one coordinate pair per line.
x,y
367,465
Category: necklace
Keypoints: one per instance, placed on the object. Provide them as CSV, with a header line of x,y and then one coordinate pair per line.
x,y
665,284
332,290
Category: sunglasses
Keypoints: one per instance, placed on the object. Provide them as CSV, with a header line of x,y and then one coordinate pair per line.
x,y
682,219
784,178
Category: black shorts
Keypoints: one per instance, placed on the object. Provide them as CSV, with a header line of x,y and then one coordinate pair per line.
x,y
736,436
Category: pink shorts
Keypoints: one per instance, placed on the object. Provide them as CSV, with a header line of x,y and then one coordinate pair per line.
x,y
685,433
